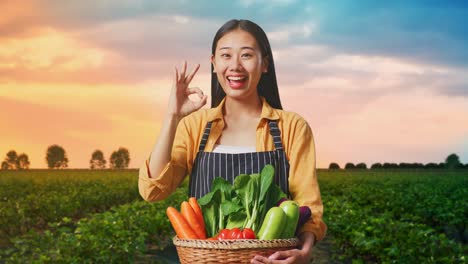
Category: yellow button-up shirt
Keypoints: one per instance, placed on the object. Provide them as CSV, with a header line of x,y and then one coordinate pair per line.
x,y
298,143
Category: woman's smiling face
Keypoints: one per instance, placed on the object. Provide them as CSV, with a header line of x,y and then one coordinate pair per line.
x,y
238,64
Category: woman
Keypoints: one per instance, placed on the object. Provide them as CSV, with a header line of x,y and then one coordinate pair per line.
x,y
244,130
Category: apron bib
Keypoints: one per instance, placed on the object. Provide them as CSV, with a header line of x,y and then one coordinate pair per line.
x,y
209,165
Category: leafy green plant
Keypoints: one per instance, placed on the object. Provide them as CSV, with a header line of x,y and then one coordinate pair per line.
x,y
115,236
242,205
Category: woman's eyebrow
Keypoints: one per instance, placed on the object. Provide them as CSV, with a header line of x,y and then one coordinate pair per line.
x,y
241,48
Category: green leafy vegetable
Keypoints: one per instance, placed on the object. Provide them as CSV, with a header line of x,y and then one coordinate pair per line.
x,y
243,204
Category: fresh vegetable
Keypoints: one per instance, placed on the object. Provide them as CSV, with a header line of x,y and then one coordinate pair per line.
x,y
235,233
189,215
217,205
257,195
291,210
224,234
304,214
248,233
243,204
281,201
180,225
196,208
210,206
273,225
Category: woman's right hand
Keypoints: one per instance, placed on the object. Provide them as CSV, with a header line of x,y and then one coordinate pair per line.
x,y
179,103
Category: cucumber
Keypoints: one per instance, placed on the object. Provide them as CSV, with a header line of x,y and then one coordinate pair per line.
x,y
291,210
273,224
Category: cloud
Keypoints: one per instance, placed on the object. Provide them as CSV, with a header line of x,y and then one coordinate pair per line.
x,y
103,55
320,68
410,126
428,33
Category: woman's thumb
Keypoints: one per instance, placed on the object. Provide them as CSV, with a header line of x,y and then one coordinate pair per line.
x,y
199,104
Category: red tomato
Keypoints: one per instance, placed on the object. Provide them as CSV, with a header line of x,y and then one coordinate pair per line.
x,y
224,234
248,233
235,233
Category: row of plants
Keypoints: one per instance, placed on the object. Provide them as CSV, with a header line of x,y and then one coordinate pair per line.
x,y
119,235
29,200
402,217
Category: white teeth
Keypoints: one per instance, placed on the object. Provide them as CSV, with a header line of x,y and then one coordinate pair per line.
x,y
235,78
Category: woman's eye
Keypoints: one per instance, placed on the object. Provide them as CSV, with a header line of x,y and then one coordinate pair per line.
x,y
225,55
247,55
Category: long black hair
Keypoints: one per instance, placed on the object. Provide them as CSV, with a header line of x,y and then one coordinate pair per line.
x,y
267,86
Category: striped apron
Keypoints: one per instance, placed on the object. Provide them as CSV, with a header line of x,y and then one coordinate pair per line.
x,y
209,165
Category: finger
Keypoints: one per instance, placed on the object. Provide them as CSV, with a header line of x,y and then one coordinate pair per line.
x,y
260,260
196,90
253,261
190,77
177,75
282,254
201,103
184,69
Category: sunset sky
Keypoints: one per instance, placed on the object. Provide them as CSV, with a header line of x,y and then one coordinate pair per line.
x,y
376,81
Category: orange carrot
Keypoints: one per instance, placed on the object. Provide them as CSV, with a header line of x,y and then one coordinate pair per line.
x,y
180,225
187,211
196,208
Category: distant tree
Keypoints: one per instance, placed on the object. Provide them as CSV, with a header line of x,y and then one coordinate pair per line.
x,y
4,165
11,160
387,165
361,165
23,162
376,166
349,165
97,160
56,157
431,165
452,161
120,159
334,166
404,165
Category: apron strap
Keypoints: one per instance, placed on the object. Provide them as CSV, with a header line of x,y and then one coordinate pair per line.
x,y
204,139
276,134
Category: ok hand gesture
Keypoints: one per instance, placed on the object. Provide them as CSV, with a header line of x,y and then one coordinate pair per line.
x,y
179,103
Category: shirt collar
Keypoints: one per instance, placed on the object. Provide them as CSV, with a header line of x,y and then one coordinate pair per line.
x,y
268,112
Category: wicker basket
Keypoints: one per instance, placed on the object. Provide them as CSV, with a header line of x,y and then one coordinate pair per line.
x,y
229,251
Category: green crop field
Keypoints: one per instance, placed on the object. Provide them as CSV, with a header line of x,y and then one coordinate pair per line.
x,y
374,216
398,216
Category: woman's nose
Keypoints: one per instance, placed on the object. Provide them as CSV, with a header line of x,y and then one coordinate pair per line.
x,y
235,64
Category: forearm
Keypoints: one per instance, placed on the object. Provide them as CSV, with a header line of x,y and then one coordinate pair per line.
x,y
308,241
161,153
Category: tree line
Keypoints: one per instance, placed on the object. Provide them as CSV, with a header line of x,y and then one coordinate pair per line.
x,y
451,162
56,158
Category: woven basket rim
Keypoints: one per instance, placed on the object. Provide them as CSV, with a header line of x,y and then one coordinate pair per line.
x,y
236,243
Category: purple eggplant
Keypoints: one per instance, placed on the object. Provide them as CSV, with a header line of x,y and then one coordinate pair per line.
x,y
304,214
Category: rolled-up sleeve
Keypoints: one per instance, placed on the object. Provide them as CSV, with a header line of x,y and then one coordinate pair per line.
x,y
303,182
157,188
